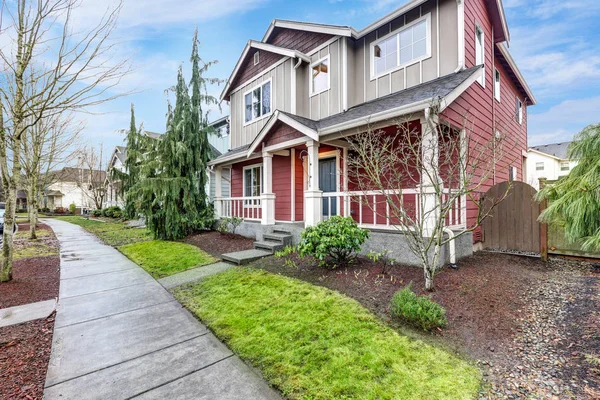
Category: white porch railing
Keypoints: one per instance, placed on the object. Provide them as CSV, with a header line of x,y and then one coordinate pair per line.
x,y
374,209
248,208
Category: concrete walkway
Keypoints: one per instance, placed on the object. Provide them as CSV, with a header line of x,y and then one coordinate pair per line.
x,y
194,274
119,335
26,312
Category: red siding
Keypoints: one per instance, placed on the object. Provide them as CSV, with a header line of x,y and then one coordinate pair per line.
x,y
248,69
282,133
282,187
478,105
299,184
298,40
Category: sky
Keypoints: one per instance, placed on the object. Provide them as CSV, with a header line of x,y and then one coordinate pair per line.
x,y
554,42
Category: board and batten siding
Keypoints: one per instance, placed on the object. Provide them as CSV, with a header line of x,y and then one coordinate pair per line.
x,y
329,102
443,60
280,76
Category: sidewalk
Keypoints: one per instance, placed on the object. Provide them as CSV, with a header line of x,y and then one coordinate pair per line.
x,y
119,334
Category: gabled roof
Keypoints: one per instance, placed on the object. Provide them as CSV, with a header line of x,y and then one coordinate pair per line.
x,y
417,98
509,63
558,150
253,44
336,30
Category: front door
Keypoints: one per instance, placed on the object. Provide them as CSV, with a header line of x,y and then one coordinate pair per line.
x,y
327,184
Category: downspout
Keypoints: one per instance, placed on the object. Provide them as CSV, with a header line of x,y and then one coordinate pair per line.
x,y
451,246
493,99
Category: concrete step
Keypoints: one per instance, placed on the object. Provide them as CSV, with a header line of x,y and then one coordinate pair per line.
x,y
269,245
245,256
283,238
281,231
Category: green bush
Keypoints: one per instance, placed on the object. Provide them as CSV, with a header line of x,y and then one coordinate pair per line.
x,y
96,213
229,225
72,208
419,311
112,212
334,242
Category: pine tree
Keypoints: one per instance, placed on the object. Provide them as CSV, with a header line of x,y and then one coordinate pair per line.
x,y
574,200
172,190
131,174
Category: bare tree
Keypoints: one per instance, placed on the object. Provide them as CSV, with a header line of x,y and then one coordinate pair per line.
x,y
91,178
423,181
46,145
49,69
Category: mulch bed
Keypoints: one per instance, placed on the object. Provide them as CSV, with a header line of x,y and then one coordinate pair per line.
x,y
493,315
24,356
25,348
215,243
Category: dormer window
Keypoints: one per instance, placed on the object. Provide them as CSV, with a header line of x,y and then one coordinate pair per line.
x,y
401,48
256,58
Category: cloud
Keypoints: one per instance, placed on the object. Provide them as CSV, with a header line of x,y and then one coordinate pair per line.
x,y
562,121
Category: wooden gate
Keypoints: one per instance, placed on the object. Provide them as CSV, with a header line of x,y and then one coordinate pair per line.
x,y
513,224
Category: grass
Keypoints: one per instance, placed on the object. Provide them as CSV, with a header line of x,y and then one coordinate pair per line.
x,y
311,342
113,233
32,248
162,258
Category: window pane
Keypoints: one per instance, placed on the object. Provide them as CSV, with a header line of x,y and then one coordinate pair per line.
x,y
380,66
420,31
266,98
391,61
319,76
406,38
420,48
256,95
377,51
248,182
405,55
391,44
248,107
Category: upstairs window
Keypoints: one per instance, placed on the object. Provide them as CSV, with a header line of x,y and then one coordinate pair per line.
x,y
564,166
402,48
519,111
319,80
480,51
257,102
497,84
256,58
539,166
512,173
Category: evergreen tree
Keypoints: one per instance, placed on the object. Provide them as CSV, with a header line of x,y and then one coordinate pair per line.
x,y
574,200
172,189
131,174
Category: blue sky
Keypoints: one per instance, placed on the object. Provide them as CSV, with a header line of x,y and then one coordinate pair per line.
x,y
554,42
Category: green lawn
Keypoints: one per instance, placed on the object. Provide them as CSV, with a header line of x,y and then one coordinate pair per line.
x,y
113,233
314,343
161,258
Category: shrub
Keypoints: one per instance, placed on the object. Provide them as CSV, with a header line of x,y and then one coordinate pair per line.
x,y
72,208
419,311
112,212
383,258
61,210
96,213
44,210
334,242
229,224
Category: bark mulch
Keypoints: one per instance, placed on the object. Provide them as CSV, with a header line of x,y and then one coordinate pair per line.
x,y
497,305
24,356
25,348
215,243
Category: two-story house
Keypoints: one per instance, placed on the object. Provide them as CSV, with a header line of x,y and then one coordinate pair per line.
x,y
548,161
298,93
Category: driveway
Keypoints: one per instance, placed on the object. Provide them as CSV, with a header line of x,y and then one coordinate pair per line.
x,y
119,334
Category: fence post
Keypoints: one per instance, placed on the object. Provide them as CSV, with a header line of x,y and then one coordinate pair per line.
x,y
543,227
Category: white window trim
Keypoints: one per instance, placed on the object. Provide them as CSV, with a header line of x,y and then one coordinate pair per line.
x,y
543,165
244,102
497,90
478,29
519,111
246,205
310,80
397,32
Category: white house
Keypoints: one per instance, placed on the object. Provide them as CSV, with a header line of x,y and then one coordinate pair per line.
x,y
72,186
548,161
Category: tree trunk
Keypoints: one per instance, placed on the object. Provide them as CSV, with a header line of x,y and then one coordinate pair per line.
x,y
33,205
7,236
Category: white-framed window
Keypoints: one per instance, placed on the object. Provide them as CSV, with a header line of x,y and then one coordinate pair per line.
x,y
224,130
564,166
256,57
512,173
257,102
480,51
539,166
519,111
252,181
319,76
408,45
497,84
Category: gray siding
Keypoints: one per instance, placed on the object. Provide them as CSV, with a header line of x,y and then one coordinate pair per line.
x,y
330,101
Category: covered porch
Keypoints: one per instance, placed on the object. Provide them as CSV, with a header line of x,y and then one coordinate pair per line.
x,y
294,174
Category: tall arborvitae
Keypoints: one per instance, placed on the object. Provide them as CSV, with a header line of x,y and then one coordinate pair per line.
x,y
131,174
172,191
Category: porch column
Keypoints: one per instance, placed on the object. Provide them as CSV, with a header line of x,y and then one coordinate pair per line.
x,y
268,197
313,196
429,173
218,193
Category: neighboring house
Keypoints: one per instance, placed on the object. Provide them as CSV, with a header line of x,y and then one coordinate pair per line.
x,y
548,161
73,185
220,144
117,161
299,91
